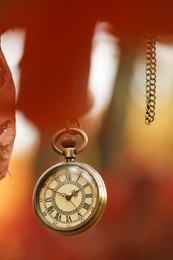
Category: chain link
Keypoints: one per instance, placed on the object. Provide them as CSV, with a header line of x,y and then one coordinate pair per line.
x,y
150,78
76,84
72,124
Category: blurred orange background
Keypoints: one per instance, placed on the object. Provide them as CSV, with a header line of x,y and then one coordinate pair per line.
x,y
134,159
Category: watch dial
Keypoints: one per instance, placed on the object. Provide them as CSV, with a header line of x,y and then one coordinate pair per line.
x,y
67,197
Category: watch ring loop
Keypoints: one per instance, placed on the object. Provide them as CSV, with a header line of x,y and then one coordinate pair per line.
x,y
75,131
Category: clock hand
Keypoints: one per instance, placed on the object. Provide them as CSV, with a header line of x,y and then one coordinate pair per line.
x,y
59,193
73,204
62,194
68,197
75,192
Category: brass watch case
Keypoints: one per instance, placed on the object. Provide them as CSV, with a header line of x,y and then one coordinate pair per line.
x,y
92,219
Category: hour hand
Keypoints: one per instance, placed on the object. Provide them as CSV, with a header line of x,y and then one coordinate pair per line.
x,y
74,193
64,195
59,193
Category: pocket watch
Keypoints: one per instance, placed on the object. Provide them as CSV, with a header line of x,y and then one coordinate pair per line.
x,y
70,197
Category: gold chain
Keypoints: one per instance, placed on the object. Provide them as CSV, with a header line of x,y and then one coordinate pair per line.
x,y
150,78
76,70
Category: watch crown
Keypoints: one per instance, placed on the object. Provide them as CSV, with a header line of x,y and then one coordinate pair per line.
x,y
69,144
68,141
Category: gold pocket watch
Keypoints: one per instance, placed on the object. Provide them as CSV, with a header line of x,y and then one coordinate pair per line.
x,y
69,197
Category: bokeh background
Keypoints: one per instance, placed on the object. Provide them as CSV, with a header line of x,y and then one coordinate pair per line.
x,y
134,159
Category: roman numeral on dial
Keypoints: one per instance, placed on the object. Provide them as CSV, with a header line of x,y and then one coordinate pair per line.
x,y
86,206
58,217
89,195
78,177
44,213
68,219
86,185
68,176
48,199
56,178
79,215
50,209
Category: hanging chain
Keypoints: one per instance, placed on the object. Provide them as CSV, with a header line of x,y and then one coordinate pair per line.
x,y
150,78
76,70
76,84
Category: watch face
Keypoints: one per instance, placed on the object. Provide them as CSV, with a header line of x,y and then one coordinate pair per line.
x,y
69,198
